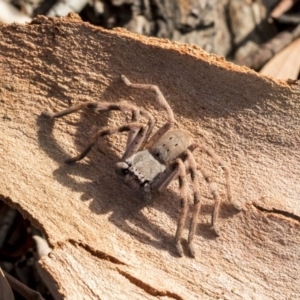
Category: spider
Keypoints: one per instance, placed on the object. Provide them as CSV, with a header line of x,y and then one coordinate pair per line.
x,y
151,162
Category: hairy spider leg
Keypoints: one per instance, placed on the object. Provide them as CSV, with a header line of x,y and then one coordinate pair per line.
x,y
212,186
106,106
192,169
162,102
175,170
108,131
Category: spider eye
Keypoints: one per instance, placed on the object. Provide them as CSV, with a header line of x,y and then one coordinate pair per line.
x,y
122,168
146,182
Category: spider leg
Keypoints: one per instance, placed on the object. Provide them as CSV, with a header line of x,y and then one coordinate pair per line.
x,y
106,106
212,186
164,179
184,205
163,103
218,161
137,142
214,190
103,132
192,168
69,110
176,169
150,125
159,96
135,117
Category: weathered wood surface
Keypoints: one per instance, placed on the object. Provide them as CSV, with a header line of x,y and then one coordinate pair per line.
x,y
105,243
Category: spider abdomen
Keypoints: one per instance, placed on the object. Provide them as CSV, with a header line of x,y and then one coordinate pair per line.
x,y
171,145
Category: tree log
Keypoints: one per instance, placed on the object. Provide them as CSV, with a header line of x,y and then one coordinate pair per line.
x,y
107,244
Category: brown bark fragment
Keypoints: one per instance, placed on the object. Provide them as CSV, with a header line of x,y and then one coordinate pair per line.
x,y
105,243
285,64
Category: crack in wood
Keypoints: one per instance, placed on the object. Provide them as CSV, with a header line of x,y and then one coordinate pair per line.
x,y
97,253
148,288
278,212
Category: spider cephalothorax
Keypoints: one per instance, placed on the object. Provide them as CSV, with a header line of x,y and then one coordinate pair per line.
x,y
152,161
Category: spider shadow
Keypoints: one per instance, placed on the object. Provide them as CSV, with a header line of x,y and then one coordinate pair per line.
x,y
108,195
227,211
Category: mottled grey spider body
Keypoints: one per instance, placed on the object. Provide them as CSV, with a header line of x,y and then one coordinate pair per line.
x,y
146,168
152,161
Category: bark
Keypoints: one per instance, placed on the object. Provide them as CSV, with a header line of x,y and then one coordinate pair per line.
x,y
22,289
105,242
5,289
285,64
9,14
266,51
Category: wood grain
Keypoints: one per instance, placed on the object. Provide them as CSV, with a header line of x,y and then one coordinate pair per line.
x,y
105,243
